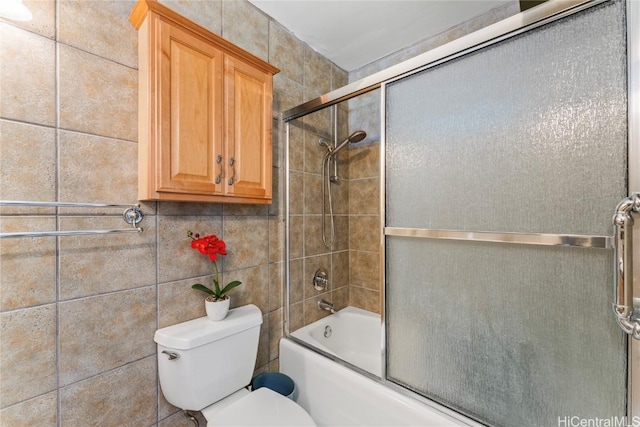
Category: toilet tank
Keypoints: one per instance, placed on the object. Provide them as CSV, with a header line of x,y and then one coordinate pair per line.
x,y
215,359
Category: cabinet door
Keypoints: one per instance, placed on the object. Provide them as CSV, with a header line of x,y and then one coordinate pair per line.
x,y
191,72
248,130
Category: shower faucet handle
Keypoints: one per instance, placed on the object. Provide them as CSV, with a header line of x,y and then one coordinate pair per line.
x,y
320,279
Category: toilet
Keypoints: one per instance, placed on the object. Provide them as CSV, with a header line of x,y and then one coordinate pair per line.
x,y
205,366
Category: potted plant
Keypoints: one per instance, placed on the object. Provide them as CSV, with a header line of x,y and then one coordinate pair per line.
x,y
217,300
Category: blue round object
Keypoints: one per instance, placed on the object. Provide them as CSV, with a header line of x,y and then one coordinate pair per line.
x,y
275,381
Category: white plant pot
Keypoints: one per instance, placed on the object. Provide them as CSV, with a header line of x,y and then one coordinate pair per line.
x,y
217,310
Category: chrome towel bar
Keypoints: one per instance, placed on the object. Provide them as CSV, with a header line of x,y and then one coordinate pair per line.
x,y
68,233
132,215
63,204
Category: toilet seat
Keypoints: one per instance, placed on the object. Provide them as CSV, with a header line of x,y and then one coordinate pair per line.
x,y
262,407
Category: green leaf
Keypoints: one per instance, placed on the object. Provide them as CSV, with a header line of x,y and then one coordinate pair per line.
x,y
199,287
218,293
230,286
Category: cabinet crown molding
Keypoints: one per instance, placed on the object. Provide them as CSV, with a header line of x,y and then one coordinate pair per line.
x,y
144,7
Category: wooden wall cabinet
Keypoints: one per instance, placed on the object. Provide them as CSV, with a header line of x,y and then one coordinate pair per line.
x,y
205,113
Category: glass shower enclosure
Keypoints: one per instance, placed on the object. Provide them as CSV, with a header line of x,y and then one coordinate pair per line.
x,y
502,159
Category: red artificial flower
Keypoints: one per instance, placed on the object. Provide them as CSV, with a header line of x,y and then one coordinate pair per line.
x,y
210,246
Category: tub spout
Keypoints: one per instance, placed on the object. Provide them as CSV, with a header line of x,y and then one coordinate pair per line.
x,y
326,305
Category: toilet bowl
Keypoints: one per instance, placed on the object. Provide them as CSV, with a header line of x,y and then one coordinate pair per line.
x,y
262,407
206,366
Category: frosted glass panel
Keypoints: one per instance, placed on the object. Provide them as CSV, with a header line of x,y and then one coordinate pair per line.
x,y
528,135
511,335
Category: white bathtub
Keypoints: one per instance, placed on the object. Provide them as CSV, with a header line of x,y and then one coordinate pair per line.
x,y
335,395
352,334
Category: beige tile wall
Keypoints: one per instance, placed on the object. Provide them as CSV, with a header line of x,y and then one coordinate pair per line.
x,y
364,221
308,251
77,314
353,261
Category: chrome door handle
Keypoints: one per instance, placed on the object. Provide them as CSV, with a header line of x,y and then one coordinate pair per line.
x,y
623,265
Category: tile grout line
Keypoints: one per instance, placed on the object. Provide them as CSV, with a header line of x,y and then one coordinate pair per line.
x,y
157,278
56,210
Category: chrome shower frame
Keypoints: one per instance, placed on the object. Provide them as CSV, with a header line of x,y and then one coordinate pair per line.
x,y
633,114
532,18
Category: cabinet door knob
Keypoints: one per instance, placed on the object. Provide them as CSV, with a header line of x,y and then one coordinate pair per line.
x,y
219,162
232,162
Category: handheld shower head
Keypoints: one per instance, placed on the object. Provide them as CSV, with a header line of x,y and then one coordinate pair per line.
x,y
357,136
328,161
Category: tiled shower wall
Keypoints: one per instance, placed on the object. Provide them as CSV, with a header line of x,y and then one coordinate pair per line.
x,y
364,204
353,263
77,314
307,249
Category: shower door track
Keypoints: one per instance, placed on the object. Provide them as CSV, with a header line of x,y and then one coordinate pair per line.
x,y
540,239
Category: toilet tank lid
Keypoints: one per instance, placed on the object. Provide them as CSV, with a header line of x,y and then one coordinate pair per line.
x,y
197,332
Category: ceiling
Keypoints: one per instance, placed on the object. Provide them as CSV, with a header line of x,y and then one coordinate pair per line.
x,y
353,33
